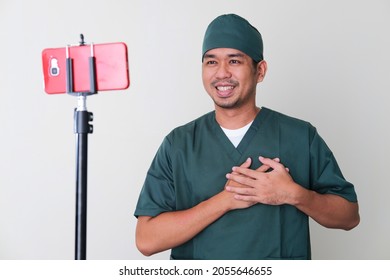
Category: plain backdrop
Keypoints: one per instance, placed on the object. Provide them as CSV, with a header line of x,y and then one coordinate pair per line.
x,y
328,64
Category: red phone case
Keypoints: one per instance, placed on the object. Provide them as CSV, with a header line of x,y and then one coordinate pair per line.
x,y
112,71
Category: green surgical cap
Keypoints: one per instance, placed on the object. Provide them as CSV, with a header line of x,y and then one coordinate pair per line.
x,y
235,32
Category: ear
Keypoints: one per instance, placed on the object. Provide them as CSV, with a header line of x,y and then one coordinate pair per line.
x,y
261,70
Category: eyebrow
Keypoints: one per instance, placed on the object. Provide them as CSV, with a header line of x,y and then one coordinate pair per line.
x,y
229,55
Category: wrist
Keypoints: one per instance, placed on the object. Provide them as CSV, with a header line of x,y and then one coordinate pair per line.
x,y
299,195
216,205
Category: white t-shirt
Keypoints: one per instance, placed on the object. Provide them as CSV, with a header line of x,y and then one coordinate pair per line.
x,y
235,135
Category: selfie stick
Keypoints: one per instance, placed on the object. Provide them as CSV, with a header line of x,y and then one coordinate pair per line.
x,y
81,128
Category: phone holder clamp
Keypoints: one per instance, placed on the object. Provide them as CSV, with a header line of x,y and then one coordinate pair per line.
x,y
92,72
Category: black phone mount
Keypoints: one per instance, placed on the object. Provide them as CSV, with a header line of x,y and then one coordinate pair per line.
x,y
82,128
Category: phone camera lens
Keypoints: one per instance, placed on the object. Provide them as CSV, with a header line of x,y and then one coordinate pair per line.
x,y
54,69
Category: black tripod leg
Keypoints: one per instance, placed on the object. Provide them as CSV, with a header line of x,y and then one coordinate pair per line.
x,y
81,196
82,128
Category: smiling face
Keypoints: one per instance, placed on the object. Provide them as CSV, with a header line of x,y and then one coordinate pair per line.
x,y
230,78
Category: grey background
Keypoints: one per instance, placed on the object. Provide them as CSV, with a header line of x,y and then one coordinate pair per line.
x,y
328,64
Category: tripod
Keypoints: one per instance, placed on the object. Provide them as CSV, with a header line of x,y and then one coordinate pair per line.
x,y
81,128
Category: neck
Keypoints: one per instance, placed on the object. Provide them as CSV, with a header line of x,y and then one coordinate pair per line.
x,y
235,118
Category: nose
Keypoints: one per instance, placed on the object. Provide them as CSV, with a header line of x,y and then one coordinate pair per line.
x,y
223,71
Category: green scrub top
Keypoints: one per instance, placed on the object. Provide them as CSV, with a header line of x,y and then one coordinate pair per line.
x,y
190,167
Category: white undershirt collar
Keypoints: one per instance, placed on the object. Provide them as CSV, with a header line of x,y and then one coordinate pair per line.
x,y
236,135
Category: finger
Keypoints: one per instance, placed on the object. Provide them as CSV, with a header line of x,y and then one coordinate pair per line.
x,y
267,164
265,168
247,198
274,164
237,176
233,184
247,163
240,191
244,172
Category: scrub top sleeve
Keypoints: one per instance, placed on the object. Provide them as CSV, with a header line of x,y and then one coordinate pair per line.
x,y
158,194
326,176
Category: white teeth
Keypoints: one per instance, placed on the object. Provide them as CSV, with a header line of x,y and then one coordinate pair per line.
x,y
224,88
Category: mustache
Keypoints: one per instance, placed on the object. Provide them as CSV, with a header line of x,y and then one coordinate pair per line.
x,y
224,81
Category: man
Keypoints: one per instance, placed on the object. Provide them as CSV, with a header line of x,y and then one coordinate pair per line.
x,y
279,170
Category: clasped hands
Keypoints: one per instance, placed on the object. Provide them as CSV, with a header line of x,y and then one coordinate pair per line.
x,y
269,184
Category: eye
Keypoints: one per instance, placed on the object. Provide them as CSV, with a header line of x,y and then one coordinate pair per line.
x,y
234,61
211,62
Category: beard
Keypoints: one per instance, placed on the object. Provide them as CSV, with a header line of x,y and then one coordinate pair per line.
x,y
227,103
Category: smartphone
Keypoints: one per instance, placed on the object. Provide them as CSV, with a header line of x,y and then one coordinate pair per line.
x,y
111,67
